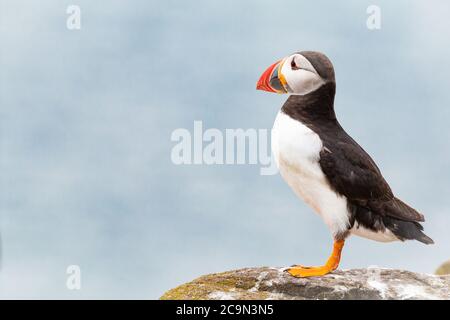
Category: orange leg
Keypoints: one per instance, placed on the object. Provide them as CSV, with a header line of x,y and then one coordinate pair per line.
x,y
331,265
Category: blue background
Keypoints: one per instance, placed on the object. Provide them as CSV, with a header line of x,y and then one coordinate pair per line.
x,y
86,118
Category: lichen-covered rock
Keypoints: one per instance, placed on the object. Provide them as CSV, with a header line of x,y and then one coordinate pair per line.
x,y
444,269
275,283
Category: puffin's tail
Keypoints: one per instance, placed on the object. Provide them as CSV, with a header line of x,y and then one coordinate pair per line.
x,y
403,221
407,230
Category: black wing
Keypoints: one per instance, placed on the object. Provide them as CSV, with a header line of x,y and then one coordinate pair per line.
x,y
352,173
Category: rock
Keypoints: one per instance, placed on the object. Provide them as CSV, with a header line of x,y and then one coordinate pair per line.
x,y
444,269
275,283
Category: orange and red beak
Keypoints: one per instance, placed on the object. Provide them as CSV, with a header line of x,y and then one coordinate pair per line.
x,y
272,80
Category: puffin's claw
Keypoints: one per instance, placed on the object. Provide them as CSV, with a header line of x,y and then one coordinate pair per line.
x,y
299,266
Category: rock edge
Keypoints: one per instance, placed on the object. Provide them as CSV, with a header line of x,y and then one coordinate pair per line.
x,y
266,283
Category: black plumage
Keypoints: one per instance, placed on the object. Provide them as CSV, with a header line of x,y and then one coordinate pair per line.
x,y
350,171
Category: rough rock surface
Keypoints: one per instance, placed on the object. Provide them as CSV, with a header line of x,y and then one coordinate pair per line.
x,y
444,269
275,283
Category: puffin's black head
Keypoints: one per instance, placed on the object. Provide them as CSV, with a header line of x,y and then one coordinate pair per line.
x,y
300,73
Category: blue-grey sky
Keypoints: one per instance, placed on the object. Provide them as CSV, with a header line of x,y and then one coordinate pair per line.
x,y
86,118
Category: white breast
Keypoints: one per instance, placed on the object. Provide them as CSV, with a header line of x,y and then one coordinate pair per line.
x,y
297,152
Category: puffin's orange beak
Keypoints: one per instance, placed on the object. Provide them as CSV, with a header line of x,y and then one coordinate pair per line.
x,y
272,80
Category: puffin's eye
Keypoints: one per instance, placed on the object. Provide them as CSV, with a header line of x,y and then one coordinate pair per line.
x,y
294,65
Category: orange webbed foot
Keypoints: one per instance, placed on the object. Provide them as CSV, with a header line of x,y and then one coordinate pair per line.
x,y
331,265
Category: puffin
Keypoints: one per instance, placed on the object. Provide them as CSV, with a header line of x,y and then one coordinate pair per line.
x,y
326,167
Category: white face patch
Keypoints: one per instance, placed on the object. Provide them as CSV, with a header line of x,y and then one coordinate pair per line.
x,y
300,75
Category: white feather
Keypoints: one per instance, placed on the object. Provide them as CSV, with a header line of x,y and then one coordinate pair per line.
x,y
297,152
385,236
